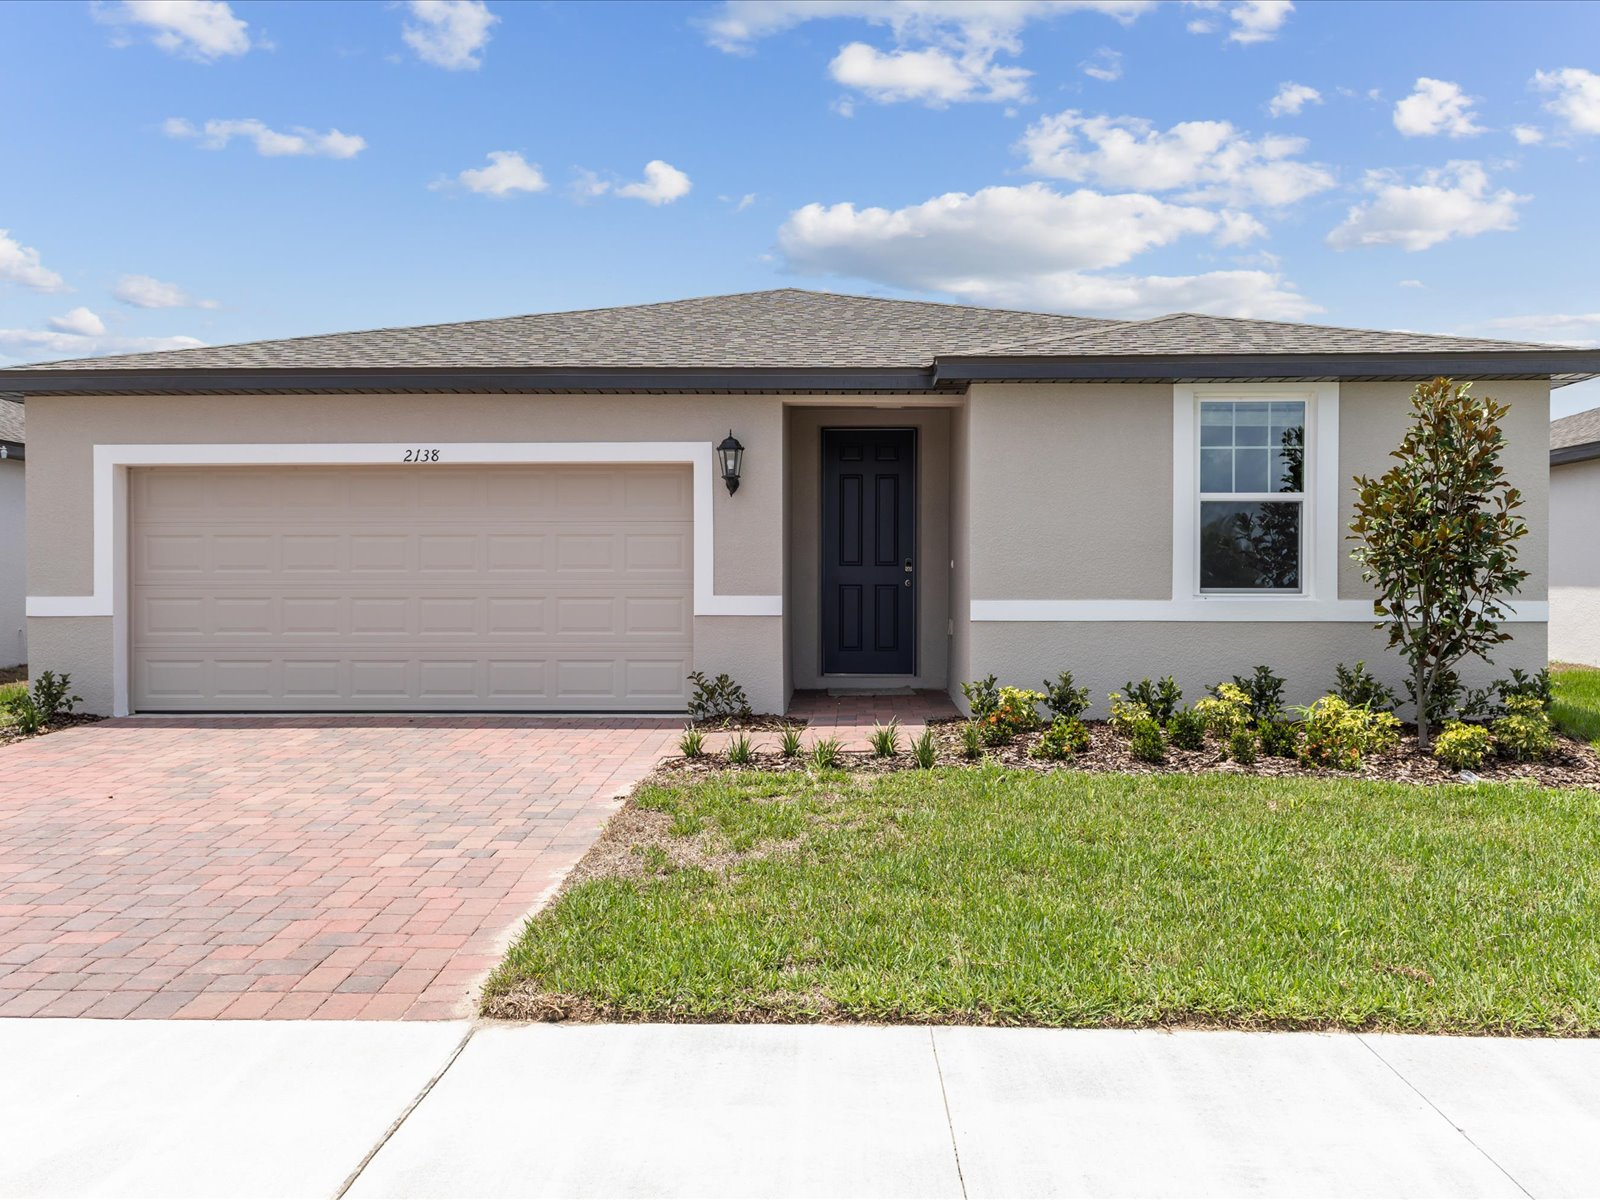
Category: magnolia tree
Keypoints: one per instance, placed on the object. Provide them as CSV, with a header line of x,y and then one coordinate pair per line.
x,y
1438,535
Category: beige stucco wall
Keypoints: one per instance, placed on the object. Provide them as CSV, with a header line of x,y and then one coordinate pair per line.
x,y
1070,491
1575,562
960,666
1373,418
63,430
13,562
1071,499
802,599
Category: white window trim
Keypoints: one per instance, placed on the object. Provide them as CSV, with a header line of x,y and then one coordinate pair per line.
x,y
1319,514
110,501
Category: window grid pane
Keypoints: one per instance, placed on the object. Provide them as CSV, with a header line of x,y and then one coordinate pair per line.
x,y
1252,446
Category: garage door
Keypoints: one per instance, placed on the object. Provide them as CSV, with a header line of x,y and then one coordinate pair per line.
x,y
429,588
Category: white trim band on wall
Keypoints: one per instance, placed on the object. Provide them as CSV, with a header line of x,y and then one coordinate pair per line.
x,y
110,523
1351,611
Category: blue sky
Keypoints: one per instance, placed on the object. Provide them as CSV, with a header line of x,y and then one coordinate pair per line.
x,y
231,171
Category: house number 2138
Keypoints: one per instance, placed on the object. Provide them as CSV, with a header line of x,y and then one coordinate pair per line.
x,y
421,455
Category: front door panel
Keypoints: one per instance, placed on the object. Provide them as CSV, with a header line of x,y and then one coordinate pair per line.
x,y
869,551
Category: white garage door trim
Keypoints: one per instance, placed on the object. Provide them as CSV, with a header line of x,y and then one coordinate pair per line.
x,y
110,598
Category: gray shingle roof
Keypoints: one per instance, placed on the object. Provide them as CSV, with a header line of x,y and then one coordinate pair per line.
x,y
1196,333
1576,430
781,329
10,421
787,328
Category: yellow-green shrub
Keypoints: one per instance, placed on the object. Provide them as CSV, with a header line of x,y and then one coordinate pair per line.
x,y
1339,734
1524,732
1227,710
1125,714
1460,746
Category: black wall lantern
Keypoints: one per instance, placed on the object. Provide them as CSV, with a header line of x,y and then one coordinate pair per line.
x,y
732,455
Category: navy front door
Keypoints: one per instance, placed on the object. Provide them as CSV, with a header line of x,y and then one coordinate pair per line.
x,y
868,551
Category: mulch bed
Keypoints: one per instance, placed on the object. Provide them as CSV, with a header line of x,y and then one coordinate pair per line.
x,y
9,733
1573,765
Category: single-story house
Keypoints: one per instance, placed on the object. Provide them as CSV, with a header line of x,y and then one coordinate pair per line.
x,y
538,513
13,536
1575,538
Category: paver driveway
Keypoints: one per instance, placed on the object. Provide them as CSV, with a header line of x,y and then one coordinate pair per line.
x,y
291,867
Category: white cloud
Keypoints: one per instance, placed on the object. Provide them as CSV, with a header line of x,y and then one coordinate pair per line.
x,y
933,76
662,184
740,23
449,33
145,291
1450,202
1006,233
21,264
1411,283
1575,97
1105,65
1207,160
1577,329
35,345
507,173
1032,246
1436,106
1252,20
202,30
269,143
1527,135
1291,98
742,203
79,321
944,50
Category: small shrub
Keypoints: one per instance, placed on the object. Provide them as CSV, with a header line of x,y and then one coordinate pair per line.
x,y
924,750
692,744
993,732
1279,738
825,753
740,752
789,741
1160,700
1064,737
1359,688
886,739
1187,729
52,696
1225,710
1016,711
971,740
26,715
1125,714
1524,733
1339,735
1242,746
1521,684
716,699
1460,746
1265,692
1147,743
982,697
1065,700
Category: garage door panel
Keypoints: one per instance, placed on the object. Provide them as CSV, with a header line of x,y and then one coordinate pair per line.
x,y
423,588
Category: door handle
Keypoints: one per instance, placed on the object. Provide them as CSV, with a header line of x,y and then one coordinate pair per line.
x,y
908,566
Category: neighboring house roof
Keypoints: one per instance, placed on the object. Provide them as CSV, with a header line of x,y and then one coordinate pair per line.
x,y
1575,438
11,430
791,339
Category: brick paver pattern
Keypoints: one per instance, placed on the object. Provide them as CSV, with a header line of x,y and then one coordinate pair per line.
x,y
292,867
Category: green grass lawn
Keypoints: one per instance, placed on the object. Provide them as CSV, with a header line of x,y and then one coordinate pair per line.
x,y
1576,710
1073,899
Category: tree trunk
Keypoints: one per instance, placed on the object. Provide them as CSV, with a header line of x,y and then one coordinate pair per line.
x,y
1420,687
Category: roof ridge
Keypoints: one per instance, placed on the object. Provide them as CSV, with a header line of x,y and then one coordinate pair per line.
x,y
1351,328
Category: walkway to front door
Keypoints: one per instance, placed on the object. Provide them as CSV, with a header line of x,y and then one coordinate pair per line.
x,y
292,867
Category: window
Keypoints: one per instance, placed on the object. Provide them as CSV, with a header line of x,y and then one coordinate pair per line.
x,y
1252,484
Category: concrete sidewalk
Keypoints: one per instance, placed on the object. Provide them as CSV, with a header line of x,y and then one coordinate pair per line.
x,y
301,1109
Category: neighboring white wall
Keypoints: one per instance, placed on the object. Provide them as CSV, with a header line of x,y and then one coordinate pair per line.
x,y
13,563
1575,562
